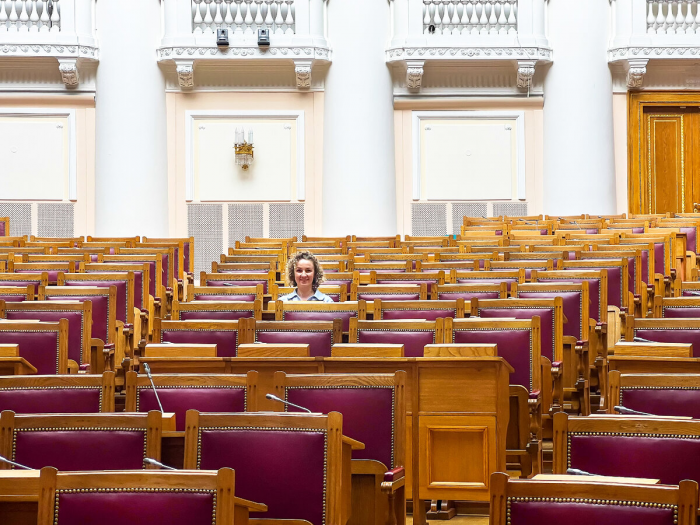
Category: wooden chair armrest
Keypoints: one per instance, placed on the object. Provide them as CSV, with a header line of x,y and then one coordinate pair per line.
x,y
168,303
534,447
557,374
73,367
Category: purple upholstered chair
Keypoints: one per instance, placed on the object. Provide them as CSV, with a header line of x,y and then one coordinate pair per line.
x,y
153,496
597,287
179,393
658,394
225,293
667,330
44,345
394,292
414,335
319,335
428,310
122,281
469,291
216,310
238,279
223,334
81,441
575,303
16,294
317,311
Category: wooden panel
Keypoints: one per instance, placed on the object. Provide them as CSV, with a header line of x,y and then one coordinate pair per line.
x,y
456,456
665,163
481,396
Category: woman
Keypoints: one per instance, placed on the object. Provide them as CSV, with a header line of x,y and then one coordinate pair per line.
x,y
305,274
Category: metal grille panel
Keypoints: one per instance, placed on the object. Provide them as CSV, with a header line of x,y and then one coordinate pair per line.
x,y
286,220
55,219
466,209
244,219
509,208
428,219
20,215
205,224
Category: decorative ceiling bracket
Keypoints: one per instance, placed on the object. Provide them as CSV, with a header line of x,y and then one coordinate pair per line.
x,y
68,67
302,70
526,70
185,73
414,74
636,69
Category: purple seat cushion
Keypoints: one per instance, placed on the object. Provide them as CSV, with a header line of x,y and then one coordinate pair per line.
x,y
117,508
233,283
13,298
165,260
659,259
513,346
217,315
368,416
122,292
75,329
614,284
670,459
285,469
388,297
226,341
691,243
186,257
39,348
51,401
593,293
245,297
319,342
81,449
295,315
571,308
539,513
23,284
414,341
687,336
428,315
180,400
663,401
546,316
100,312
3,233
467,295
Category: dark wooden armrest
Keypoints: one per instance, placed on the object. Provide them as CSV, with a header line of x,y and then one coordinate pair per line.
x,y
394,474
72,367
557,370
534,447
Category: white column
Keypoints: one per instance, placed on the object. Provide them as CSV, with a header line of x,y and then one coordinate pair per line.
x,y
131,158
579,164
359,188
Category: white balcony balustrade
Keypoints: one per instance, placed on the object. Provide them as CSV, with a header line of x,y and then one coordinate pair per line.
x,y
644,30
63,29
465,31
296,27
243,17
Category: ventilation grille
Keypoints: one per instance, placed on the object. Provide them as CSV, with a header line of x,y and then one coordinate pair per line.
x,y
509,208
428,219
55,220
204,223
244,219
286,220
20,215
466,209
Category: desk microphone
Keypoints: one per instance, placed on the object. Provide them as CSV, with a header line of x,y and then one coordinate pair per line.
x,y
690,292
10,462
275,398
641,340
577,472
150,461
629,411
150,378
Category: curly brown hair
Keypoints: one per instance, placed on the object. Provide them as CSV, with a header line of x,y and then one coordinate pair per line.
x,y
291,269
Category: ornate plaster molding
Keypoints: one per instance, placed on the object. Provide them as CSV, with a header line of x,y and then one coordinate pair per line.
x,y
414,74
185,73
244,52
627,53
397,54
69,72
526,70
302,70
48,50
637,68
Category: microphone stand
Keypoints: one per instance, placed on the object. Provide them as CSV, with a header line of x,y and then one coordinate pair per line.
x,y
275,398
14,464
155,392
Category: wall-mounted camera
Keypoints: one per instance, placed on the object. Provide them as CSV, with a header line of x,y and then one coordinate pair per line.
x,y
222,37
263,37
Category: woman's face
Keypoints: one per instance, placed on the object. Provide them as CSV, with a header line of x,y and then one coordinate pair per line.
x,y
304,273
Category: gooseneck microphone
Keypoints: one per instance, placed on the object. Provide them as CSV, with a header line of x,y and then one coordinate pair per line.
x,y
629,411
577,472
275,398
641,340
155,392
18,465
151,461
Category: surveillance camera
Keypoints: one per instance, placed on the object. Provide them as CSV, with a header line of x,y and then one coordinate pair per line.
x,y
263,37
222,37
431,29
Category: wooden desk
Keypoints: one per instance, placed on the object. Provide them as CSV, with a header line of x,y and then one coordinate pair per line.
x,y
596,479
453,404
16,366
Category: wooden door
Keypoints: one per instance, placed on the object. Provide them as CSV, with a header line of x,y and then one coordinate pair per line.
x,y
664,167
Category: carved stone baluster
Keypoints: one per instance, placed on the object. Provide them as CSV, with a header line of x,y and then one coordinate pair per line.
x,y
466,15
44,19
493,19
474,27
293,11
426,16
3,17
289,20
238,19
228,17
55,17
24,18
447,17
484,20
269,19
248,18
437,21
457,19
14,17
670,18
279,19
502,18
197,17
689,18
34,17
218,19
512,18
254,11
208,18
661,18
651,18
696,24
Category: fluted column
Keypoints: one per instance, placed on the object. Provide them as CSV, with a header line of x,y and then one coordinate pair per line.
x,y
131,184
359,188
579,167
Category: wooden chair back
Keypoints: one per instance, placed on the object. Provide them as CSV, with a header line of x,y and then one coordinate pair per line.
x,y
413,334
